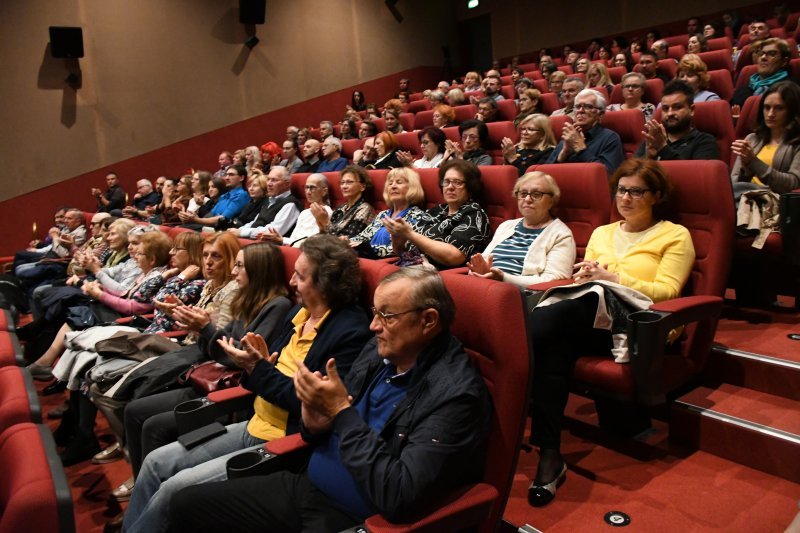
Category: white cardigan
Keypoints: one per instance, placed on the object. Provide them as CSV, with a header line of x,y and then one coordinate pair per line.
x,y
550,257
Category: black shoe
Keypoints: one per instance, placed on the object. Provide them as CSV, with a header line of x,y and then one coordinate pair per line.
x,y
58,412
80,449
54,388
63,434
30,330
540,494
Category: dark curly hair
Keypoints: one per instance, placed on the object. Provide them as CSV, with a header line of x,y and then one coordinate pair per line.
x,y
471,174
337,274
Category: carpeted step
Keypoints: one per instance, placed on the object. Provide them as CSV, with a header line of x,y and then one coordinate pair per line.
x,y
750,427
776,375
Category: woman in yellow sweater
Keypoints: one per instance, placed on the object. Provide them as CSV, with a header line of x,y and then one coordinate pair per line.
x,y
642,252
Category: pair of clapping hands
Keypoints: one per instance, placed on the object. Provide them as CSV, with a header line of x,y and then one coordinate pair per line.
x,y
586,270
323,397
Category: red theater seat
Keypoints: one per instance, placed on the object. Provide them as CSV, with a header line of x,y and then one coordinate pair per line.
x,y
507,110
721,82
557,123
585,199
747,117
498,182
465,112
10,350
717,60
349,147
628,123
18,399
497,132
34,494
419,105
423,119
409,141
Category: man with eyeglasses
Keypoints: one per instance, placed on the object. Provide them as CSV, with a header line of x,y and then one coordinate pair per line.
x,y
279,213
569,90
674,138
404,428
332,160
585,140
773,66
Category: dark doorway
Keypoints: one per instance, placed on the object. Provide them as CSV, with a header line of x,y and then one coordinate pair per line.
x,y
475,43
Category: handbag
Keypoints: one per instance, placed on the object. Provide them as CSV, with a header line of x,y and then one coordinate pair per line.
x,y
210,376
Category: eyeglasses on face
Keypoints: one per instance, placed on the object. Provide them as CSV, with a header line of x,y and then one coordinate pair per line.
x,y
634,192
534,195
585,107
390,318
458,184
632,86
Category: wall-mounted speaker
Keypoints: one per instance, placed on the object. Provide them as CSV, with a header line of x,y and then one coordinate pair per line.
x,y
66,42
252,11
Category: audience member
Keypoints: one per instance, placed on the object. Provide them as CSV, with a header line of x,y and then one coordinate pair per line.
x,y
624,59
325,129
431,141
491,89
382,153
303,134
556,82
487,110
347,129
472,82
474,135
581,66
648,66
229,205
291,161
536,141
572,86
697,44
649,257
675,138
114,197
404,195
391,115
597,76
357,101
773,66
633,84
585,140
257,191
311,151
694,72
529,100
317,195
332,159
200,181
350,218
367,129
443,116
770,156
291,133
436,97
456,97
280,210
225,160
252,158
144,201
532,249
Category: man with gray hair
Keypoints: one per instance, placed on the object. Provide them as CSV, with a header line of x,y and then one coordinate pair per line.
x,y
571,87
585,140
145,197
332,160
279,212
406,426
325,129
436,98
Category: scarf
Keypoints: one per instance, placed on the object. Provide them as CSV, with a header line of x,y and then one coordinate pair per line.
x,y
760,85
117,257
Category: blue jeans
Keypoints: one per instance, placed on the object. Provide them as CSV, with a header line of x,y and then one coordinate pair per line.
x,y
172,467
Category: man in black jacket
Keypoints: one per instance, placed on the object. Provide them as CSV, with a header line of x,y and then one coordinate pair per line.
x,y
409,424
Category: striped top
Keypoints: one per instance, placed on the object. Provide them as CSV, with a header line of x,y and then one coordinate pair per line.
x,y
509,255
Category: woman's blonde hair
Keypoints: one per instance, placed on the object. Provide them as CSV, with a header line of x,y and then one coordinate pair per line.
x,y
543,123
605,79
415,194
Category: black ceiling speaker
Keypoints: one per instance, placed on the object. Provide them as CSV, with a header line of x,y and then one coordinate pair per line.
x,y
66,42
252,11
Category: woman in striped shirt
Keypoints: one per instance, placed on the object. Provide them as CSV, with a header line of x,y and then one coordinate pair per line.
x,y
534,248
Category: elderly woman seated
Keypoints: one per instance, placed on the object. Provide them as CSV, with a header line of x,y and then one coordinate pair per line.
x,y
350,218
534,248
381,152
318,197
694,72
444,116
431,140
643,257
536,141
474,136
448,234
403,194
773,66
633,85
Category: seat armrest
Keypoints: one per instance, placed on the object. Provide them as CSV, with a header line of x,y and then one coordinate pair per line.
x,y
648,333
195,414
288,453
177,334
129,319
464,510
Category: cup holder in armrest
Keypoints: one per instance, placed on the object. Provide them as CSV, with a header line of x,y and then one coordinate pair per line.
x,y
253,463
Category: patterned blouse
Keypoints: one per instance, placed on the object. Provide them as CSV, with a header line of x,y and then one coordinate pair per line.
x,y
378,237
187,291
350,222
468,229
218,304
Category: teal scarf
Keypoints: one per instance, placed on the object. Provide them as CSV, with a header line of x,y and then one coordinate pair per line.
x,y
760,85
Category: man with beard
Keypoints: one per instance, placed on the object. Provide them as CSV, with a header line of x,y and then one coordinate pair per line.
x,y
675,138
585,140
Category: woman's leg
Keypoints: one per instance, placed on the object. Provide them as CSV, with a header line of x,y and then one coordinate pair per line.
x,y
561,333
56,348
150,423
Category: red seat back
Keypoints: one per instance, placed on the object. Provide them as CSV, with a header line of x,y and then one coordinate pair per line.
x,y
409,141
407,121
465,112
497,132
498,182
721,82
747,117
506,110
349,147
18,399
429,177
743,77
668,66
498,346
549,103
423,119
616,73
508,92
419,105
557,123
585,199
628,123
717,60
720,43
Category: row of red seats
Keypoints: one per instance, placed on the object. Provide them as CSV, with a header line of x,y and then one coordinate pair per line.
x,y
34,494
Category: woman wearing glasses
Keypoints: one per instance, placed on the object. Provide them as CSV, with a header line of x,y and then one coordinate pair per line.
x,y
536,141
431,142
448,234
531,249
632,93
355,214
643,255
